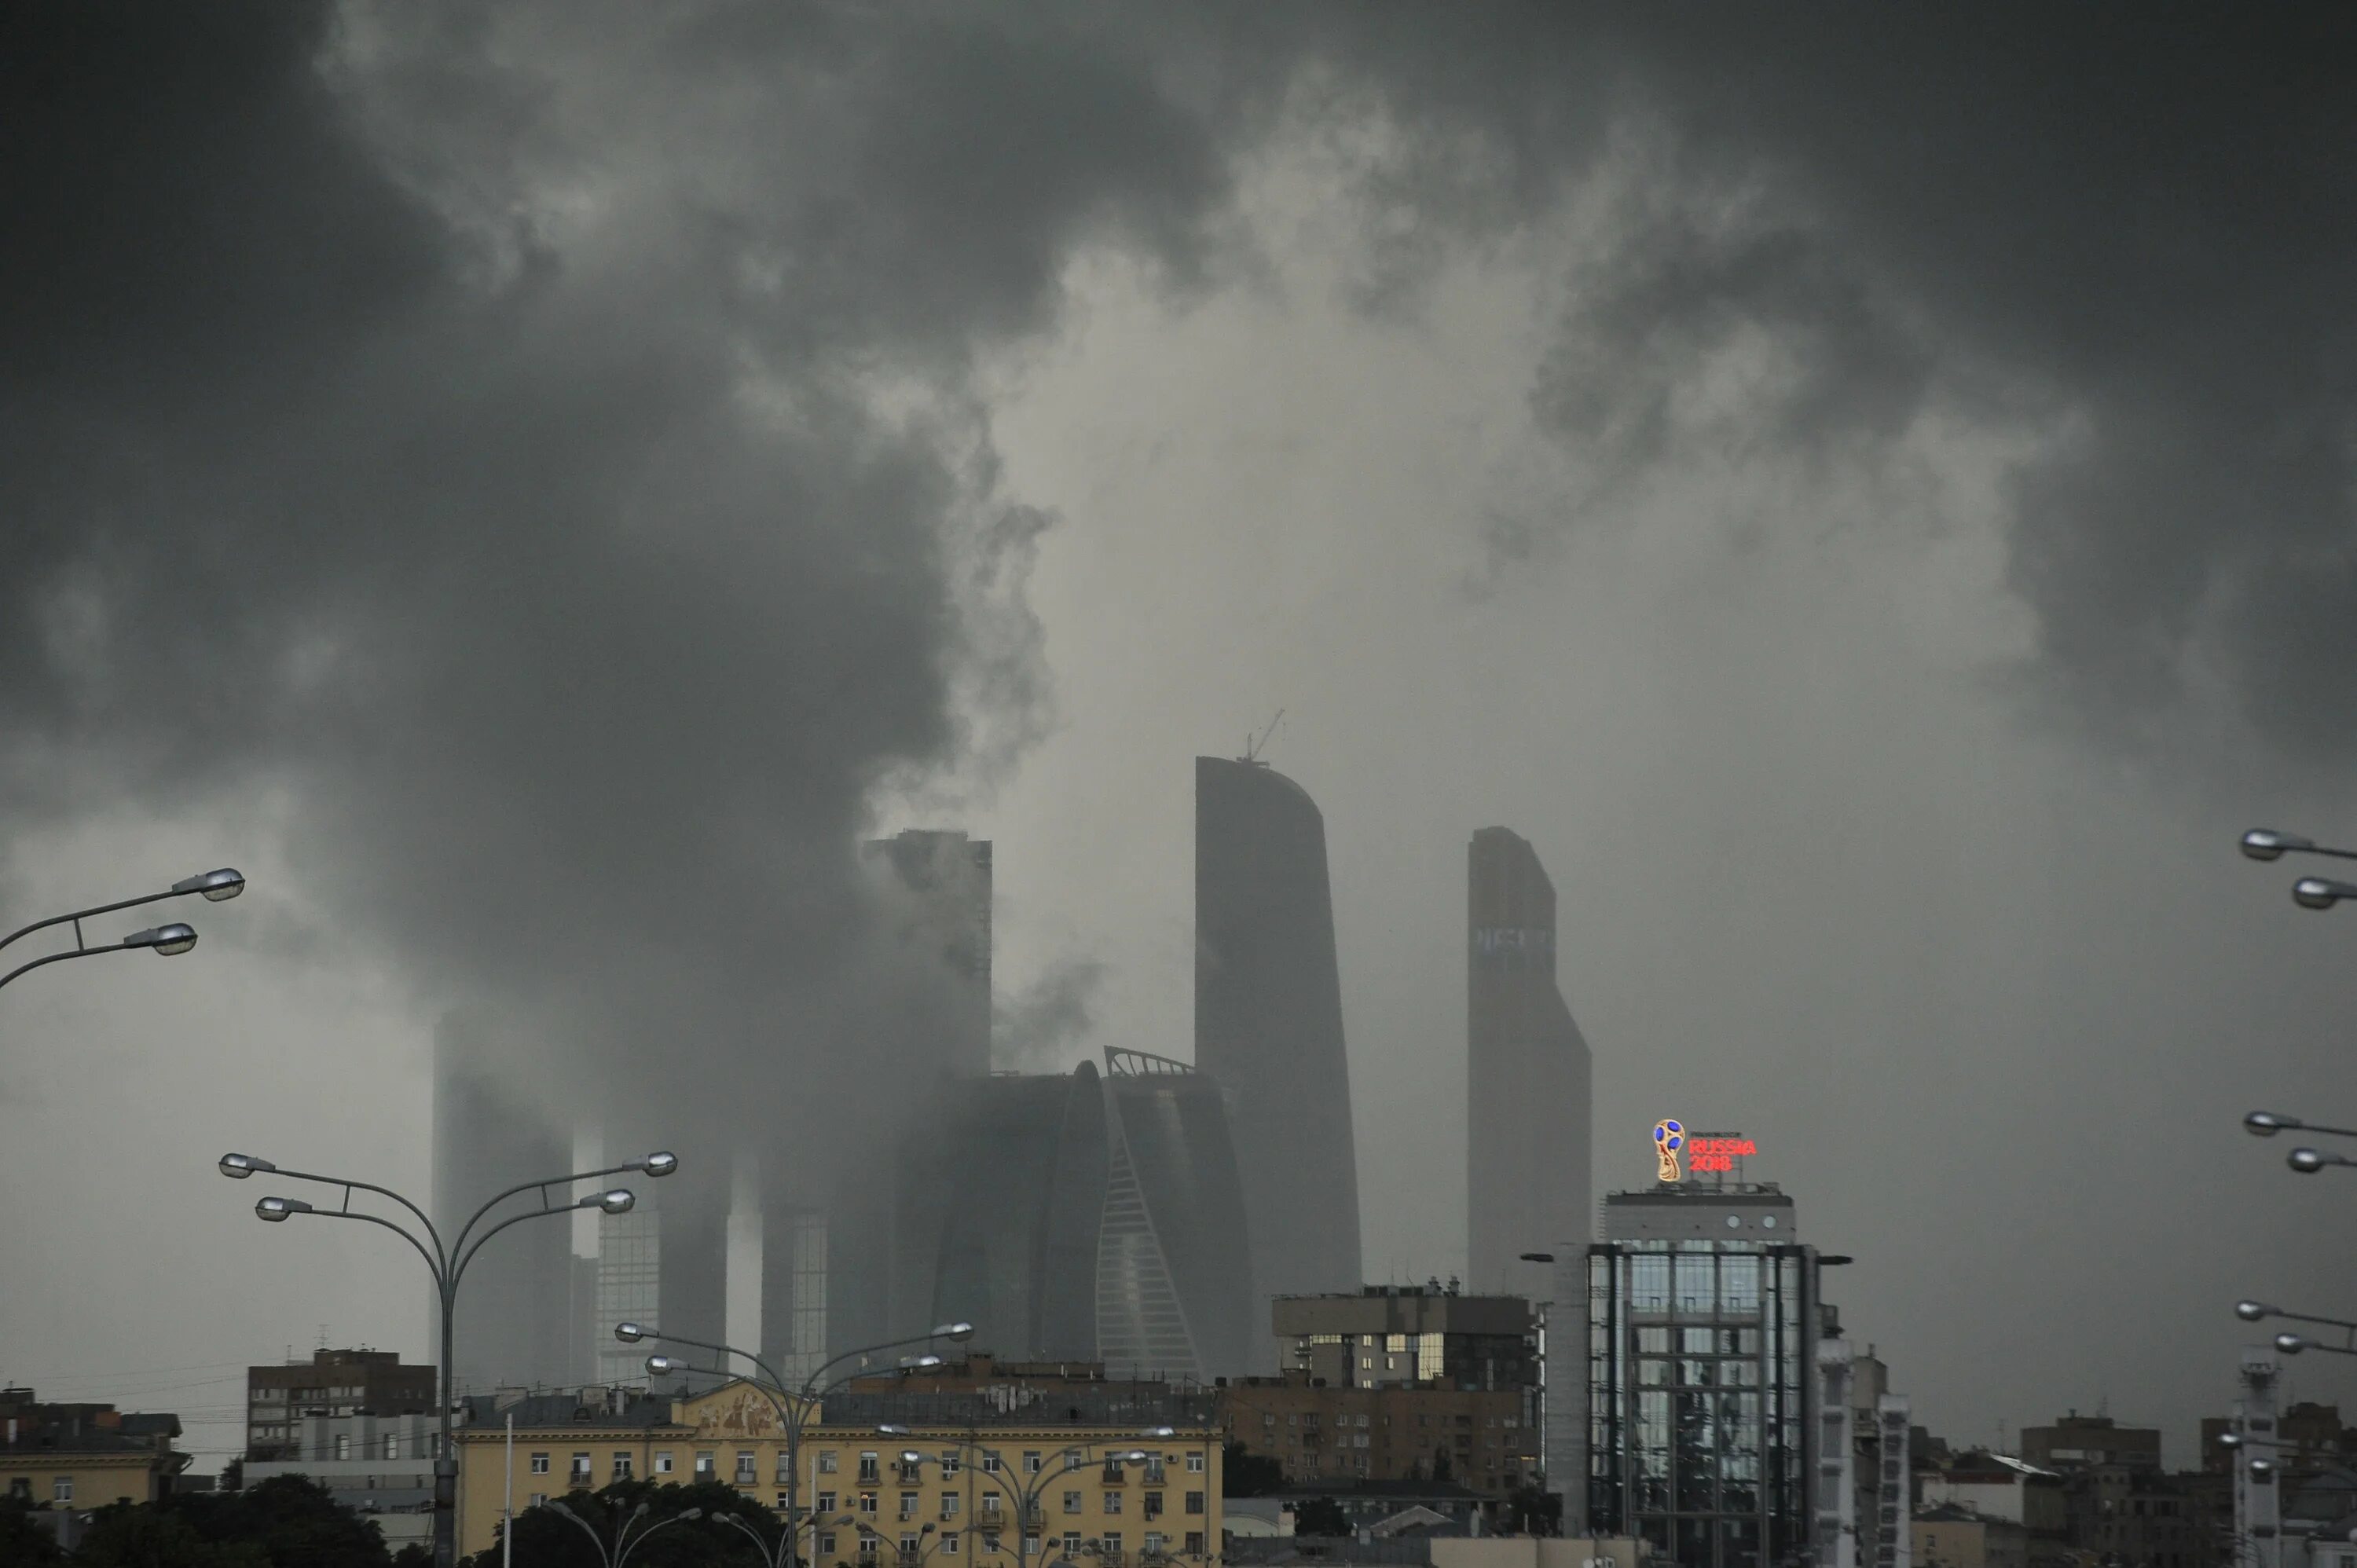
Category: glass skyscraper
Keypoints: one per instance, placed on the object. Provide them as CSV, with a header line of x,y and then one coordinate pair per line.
x,y
1692,1428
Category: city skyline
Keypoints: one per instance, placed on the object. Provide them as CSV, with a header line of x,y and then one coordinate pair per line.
x,y
1863,492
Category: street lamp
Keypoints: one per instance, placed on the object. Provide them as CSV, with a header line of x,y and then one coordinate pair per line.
x,y
1025,1499
2309,892
2267,1123
449,1266
794,1408
167,941
624,1543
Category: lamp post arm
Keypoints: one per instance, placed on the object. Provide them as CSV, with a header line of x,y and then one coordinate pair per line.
x,y
633,1546
758,1364
466,1229
2311,1317
774,1556
80,915
810,1384
459,1272
53,958
596,1540
402,1232
350,1186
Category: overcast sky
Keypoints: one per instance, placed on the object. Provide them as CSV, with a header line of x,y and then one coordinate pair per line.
x,y
1866,493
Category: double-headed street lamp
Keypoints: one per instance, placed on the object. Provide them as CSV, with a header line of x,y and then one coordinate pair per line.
x,y
167,941
1025,1498
2306,1161
794,1407
449,1266
2309,892
625,1544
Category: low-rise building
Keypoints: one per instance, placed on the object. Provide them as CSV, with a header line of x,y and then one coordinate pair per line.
x,y
331,1384
1409,1335
1952,1536
68,1456
956,1504
2083,1442
1483,1439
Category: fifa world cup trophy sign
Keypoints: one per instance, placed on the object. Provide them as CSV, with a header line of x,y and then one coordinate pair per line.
x,y
1668,1139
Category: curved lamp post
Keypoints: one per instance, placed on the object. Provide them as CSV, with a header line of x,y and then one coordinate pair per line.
x,y
168,940
449,1266
1025,1499
624,1541
2267,1123
795,1407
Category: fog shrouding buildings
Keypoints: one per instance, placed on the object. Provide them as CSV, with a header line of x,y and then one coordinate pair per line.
x,y
1082,1216
1528,1071
1268,1026
488,1137
937,897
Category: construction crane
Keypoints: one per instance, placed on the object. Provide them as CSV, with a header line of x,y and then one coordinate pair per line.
x,y
1253,747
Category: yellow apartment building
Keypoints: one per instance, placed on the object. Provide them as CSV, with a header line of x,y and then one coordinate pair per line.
x,y
85,1455
865,1504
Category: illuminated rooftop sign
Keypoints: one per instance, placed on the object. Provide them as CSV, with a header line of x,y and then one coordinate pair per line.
x,y
1701,1150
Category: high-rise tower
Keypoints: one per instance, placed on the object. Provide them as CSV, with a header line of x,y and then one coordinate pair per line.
x,y
518,1326
1527,1072
939,896
1268,1024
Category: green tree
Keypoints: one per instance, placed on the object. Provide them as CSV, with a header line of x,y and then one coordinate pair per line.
x,y
291,1520
1245,1473
22,1542
545,1540
139,1535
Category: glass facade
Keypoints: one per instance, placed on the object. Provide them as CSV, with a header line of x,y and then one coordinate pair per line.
x,y
1699,1373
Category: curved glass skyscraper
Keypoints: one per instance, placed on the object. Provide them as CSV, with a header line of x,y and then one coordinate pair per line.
x,y
1268,1026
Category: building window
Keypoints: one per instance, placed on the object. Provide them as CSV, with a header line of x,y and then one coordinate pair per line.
x,y
907,1505
1153,1505
949,1505
662,1463
61,1489
785,1475
1194,1543
20,1489
1194,1464
949,1461
581,1469
621,1466
1152,1545
990,1541
1031,1462
703,1465
990,1461
746,1473
826,1502
908,1544
826,1542
949,1544
393,1445
343,1445
1071,1543
1071,1503
1113,1502
1194,1502
870,1468
867,1502
990,1502
826,1462
1113,1541
540,1463
866,1547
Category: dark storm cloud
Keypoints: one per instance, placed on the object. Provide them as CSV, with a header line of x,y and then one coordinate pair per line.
x,y
557,556
2129,228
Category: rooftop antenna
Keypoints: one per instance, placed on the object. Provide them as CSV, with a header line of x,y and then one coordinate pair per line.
x,y
1253,747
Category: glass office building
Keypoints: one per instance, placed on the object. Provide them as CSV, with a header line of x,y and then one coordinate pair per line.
x,y
1692,1428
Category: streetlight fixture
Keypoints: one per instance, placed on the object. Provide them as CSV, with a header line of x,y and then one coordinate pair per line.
x,y
1025,1499
168,941
2308,1161
624,1543
795,1407
2266,844
447,1265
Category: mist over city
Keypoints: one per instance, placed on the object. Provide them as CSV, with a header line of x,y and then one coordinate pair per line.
x,y
1488,765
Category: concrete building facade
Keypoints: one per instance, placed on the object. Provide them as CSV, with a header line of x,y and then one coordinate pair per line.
x,y
1528,1073
71,1456
1268,1024
1408,1335
1477,1438
280,1400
